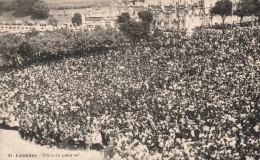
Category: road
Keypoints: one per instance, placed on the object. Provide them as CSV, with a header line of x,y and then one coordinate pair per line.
x,y
13,147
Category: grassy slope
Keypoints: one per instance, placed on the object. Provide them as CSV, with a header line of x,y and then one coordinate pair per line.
x,y
74,5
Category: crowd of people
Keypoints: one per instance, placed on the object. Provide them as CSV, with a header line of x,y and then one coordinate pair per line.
x,y
175,96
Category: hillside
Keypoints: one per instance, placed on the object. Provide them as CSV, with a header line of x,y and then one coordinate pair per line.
x,y
70,4
57,8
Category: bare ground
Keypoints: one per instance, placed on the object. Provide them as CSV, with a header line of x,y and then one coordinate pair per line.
x,y
12,146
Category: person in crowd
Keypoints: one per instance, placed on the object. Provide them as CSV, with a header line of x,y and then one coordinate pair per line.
x,y
201,90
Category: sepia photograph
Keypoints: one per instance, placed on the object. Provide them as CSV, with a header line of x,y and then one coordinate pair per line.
x,y
129,79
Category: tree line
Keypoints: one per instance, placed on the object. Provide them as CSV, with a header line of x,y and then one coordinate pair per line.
x,y
244,8
34,8
134,29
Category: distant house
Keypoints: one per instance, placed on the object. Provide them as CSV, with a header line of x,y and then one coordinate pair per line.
x,y
178,14
102,17
18,22
94,22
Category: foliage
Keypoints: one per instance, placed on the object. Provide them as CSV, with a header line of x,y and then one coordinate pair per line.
x,y
77,19
146,16
40,10
135,30
8,49
57,44
126,2
53,21
8,5
246,8
24,7
34,8
1,7
123,18
32,33
222,8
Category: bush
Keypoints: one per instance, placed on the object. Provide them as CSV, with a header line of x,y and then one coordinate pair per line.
x,y
136,31
55,44
24,7
9,45
26,52
40,10
52,21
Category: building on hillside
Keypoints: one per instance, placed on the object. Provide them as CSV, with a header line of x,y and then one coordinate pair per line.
x,y
91,23
176,14
104,17
137,2
180,14
186,14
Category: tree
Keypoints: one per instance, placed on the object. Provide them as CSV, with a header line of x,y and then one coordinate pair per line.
x,y
24,7
53,21
1,8
123,18
40,10
133,29
246,8
126,2
146,16
222,8
1,5
8,5
77,18
35,8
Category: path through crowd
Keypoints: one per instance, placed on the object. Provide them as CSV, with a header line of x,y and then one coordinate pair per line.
x,y
12,146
